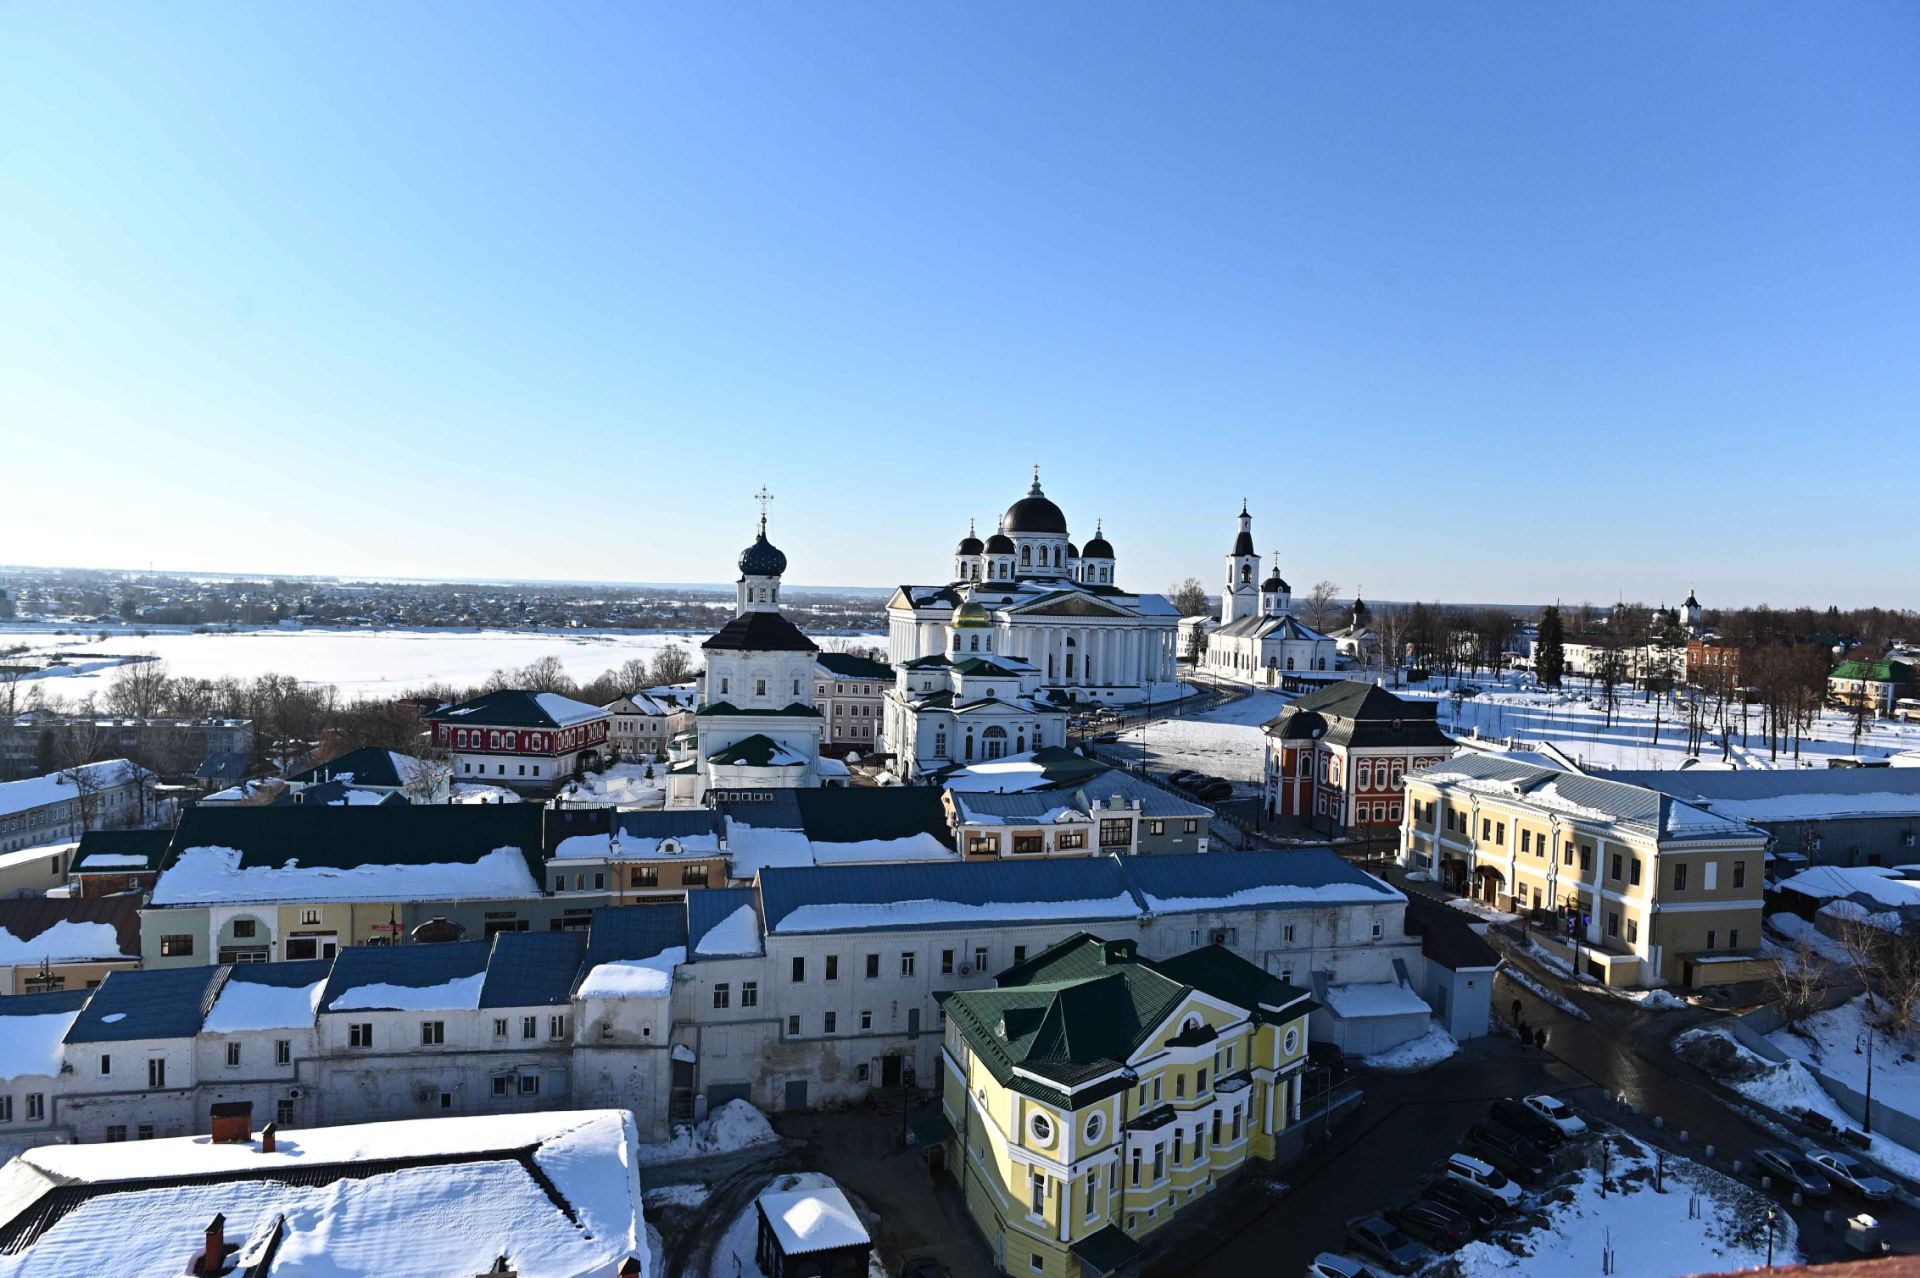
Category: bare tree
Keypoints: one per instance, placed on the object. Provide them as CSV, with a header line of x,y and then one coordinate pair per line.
x,y
672,665
140,690
546,674
631,674
1190,597
1797,983
1390,625
1320,604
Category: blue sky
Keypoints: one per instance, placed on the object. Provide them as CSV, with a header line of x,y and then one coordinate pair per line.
x,y
1472,302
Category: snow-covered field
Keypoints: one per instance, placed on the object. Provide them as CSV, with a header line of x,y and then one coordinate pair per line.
x,y
1575,721
358,662
1226,741
1650,1234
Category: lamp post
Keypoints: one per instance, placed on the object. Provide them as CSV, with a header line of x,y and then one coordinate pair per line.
x,y
1866,1037
1772,1212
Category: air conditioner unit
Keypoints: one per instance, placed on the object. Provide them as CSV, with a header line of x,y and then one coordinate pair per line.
x,y
294,1093
966,969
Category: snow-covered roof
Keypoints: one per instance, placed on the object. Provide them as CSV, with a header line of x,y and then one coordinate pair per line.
x,y
1791,794
268,996
215,875
633,978
1374,998
67,941
557,1192
810,1220
735,935
32,1027
1876,883
56,787
1633,808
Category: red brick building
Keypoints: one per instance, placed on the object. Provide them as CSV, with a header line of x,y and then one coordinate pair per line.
x,y
1338,757
526,740
1713,664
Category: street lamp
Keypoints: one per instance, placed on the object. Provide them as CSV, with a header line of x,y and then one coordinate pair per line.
x,y
1866,1037
1772,1212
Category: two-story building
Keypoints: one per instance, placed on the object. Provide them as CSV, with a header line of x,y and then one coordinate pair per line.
x,y
521,739
61,806
1112,812
1092,1095
1337,757
63,943
1636,886
645,722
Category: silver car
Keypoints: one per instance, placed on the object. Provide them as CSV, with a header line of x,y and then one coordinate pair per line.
x,y
1849,1173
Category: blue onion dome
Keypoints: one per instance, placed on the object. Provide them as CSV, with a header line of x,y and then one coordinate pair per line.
x,y
762,558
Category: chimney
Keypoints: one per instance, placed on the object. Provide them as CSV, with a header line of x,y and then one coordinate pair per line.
x,y
233,1122
267,1134
213,1257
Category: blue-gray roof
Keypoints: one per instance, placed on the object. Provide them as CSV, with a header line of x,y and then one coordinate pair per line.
x,y
983,883
168,1002
707,908
414,966
1789,794
1208,882
532,969
1634,809
291,975
45,1004
768,809
636,931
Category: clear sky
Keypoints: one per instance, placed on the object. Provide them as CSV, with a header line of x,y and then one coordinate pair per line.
x,y
1473,302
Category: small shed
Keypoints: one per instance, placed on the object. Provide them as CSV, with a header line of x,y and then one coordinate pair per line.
x,y
811,1232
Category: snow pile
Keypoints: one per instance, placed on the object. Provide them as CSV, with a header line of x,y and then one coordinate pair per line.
x,y
1854,912
461,994
736,1125
31,1044
737,934
213,875
1415,1054
468,792
1481,910
250,1005
634,978
1830,1041
1658,1000
1796,930
1649,1233
1544,994
64,942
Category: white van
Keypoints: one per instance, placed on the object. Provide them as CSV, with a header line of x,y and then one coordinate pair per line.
x,y
1483,1179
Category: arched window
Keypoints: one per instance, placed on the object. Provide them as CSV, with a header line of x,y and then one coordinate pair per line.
x,y
1289,663
1246,572
994,742
1057,553
975,644
1026,556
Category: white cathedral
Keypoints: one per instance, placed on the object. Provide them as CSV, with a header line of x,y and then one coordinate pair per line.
x,y
1259,640
1028,625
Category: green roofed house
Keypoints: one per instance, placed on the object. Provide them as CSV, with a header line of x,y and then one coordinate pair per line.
x,y
1875,683
1092,1095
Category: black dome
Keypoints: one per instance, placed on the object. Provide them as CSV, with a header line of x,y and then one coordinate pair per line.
x,y
1273,583
1073,551
1098,548
762,558
999,544
1034,513
969,545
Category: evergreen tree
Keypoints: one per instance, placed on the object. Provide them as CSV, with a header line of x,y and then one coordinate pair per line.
x,y
1550,659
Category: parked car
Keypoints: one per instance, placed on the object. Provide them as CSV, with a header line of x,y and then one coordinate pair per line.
x,y
1329,1264
1557,1112
1483,1178
1329,1057
1215,790
1181,777
1795,1169
1518,1117
1381,1240
1435,1224
1480,1210
1849,1173
1511,1152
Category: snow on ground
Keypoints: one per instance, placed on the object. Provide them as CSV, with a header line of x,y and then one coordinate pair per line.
x,y
734,1126
361,662
1415,1054
683,1196
1649,1233
1481,910
734,1254
1225,741
1575,720
1785,1087
1796,930
622,785
1544,994
1828,1041
470,793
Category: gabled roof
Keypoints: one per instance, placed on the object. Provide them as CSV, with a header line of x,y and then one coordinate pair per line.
x,y
623,933
166,1002
1355,714
532,969
519,708
1284,626
55,787
414,967
889,897
715,923
756,751
843,665
1882,670
1297,877
120,851
1447,936
368,766
760,632
857,814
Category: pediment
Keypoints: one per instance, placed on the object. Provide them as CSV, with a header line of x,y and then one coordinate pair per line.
x,y
1070,605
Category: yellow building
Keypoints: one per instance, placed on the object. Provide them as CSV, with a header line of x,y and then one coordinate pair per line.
x,y
1094,1094
1638,887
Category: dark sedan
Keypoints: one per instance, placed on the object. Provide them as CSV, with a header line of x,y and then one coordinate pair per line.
x,y
1435,1224
1380,1240
1479,1210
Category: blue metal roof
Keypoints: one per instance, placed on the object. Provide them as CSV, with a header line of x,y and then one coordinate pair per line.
x,y
710,907
285,976
768,808
532,969
1270,880
168,1002
624,932
414,966
782,891
47,1004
